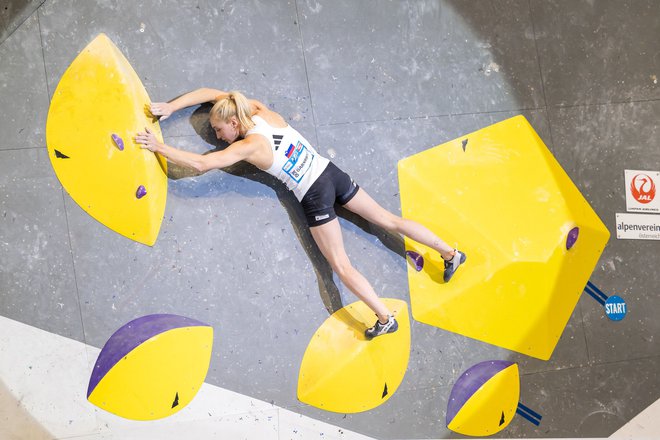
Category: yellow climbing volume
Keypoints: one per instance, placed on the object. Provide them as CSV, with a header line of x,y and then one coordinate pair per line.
x,y
96,110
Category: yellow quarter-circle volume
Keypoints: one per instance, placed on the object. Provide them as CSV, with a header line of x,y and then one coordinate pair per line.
x,y
344,372
98,107
151,367
484,399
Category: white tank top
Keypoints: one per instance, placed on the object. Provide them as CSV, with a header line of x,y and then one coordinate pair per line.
x,y
295,161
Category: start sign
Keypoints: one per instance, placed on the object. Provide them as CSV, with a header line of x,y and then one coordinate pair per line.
x,y
615,308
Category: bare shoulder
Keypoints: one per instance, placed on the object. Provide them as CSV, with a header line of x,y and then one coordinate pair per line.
x,y
273,118
248,145
255,149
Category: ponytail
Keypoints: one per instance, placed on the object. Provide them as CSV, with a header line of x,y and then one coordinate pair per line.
x,y
235,104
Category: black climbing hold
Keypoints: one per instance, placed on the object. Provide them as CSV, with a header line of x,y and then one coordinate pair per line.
x,y
465,141
384,391
60,155
502,419
119,142
176,401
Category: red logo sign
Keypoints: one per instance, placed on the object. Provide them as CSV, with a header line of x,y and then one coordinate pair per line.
x,y
642,188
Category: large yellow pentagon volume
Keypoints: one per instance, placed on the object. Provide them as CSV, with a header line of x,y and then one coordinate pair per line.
x,y
158,377
499,195
99,96
344,372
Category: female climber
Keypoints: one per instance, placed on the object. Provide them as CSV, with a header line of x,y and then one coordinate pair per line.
x,y
263,138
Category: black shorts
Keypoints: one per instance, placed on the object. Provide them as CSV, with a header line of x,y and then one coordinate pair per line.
x,y
332,186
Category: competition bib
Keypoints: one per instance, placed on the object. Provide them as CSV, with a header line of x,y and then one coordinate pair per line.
x,y
299,161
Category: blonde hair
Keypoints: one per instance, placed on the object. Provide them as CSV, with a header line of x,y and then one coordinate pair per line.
x,y
235,104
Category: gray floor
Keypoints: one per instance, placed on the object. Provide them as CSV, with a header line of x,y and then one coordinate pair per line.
x,y
370,82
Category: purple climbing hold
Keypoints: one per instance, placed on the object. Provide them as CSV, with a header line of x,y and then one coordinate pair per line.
x,y
141,192
118,141
416,259
572,237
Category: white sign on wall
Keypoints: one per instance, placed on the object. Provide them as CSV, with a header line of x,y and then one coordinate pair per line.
x,y
641,191
638,226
